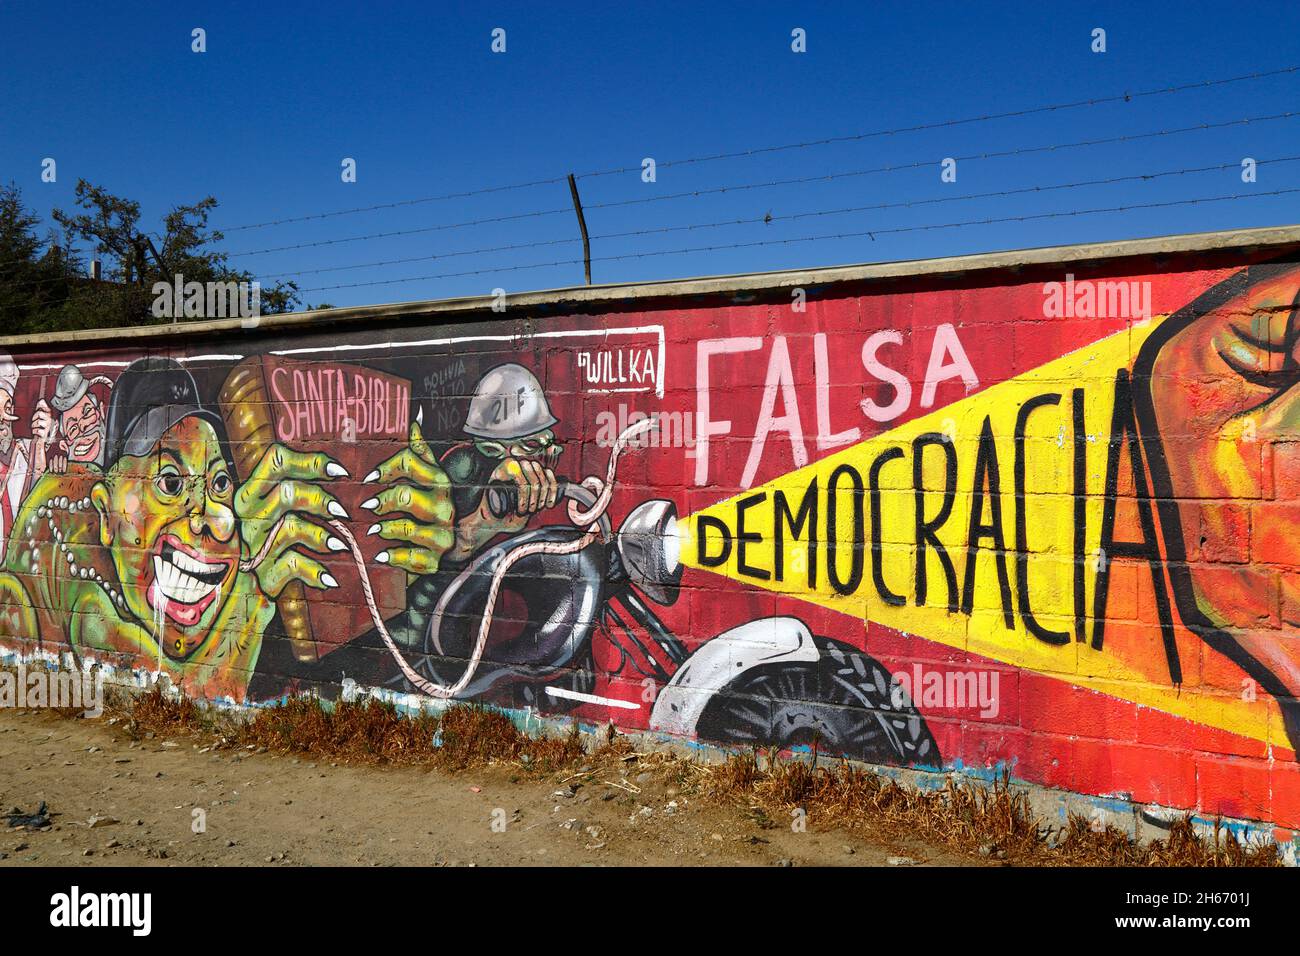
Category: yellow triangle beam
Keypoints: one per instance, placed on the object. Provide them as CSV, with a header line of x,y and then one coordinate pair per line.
x,y
845,557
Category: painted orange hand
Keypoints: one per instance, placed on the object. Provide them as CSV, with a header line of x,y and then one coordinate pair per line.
x,y
1225,391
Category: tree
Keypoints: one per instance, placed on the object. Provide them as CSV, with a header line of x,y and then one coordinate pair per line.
x,y
18,239
43,282
112,226
37,275
184,248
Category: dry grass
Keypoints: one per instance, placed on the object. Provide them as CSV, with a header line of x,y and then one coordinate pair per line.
x,y
994,821
363,732
963,816
157,712
463,736
1184,846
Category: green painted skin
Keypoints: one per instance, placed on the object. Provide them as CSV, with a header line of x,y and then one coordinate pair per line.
x,y
82,564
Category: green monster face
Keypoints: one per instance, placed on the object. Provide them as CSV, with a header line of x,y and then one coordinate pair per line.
x,y
168,521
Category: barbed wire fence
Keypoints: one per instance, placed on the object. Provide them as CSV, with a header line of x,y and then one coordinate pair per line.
x,y
689,199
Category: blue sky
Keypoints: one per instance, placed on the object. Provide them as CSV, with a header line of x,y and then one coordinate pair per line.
x,y
413,93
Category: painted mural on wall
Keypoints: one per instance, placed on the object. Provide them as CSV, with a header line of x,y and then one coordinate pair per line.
x,y
1049,524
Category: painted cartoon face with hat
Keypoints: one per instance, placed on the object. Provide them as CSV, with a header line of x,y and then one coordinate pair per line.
x,y
165,502
200,560
509,427
81,419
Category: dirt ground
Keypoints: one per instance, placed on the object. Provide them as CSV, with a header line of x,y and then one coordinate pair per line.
x,y
118,802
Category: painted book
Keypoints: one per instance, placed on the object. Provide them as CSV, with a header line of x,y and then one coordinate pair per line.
x,y
359,416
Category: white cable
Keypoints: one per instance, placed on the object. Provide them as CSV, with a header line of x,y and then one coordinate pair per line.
x,y
603,492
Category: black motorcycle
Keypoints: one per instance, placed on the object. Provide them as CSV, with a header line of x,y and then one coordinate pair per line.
x,y
770,682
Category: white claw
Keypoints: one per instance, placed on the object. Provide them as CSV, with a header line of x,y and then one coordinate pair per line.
x,y
334,544
373,529
373,476
327,579
370,504
337,511
382,557
335,470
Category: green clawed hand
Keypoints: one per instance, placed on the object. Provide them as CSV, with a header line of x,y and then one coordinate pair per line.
x,y
419,496
282,498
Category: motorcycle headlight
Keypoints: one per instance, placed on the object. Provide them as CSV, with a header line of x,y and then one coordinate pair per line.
x,y
650,548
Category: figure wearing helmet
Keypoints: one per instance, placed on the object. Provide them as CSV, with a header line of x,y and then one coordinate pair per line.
x,y
80,421
508,425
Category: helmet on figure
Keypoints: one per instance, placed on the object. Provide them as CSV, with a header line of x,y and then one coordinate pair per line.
x,y
508,403
70,388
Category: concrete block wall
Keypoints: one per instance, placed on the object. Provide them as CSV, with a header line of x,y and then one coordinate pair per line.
x,y
1031,510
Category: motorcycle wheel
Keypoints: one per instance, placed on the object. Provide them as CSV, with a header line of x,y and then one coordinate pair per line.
x,y
841,704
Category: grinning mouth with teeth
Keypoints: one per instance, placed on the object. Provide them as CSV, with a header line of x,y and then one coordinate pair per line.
x,y
83,448
184,584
